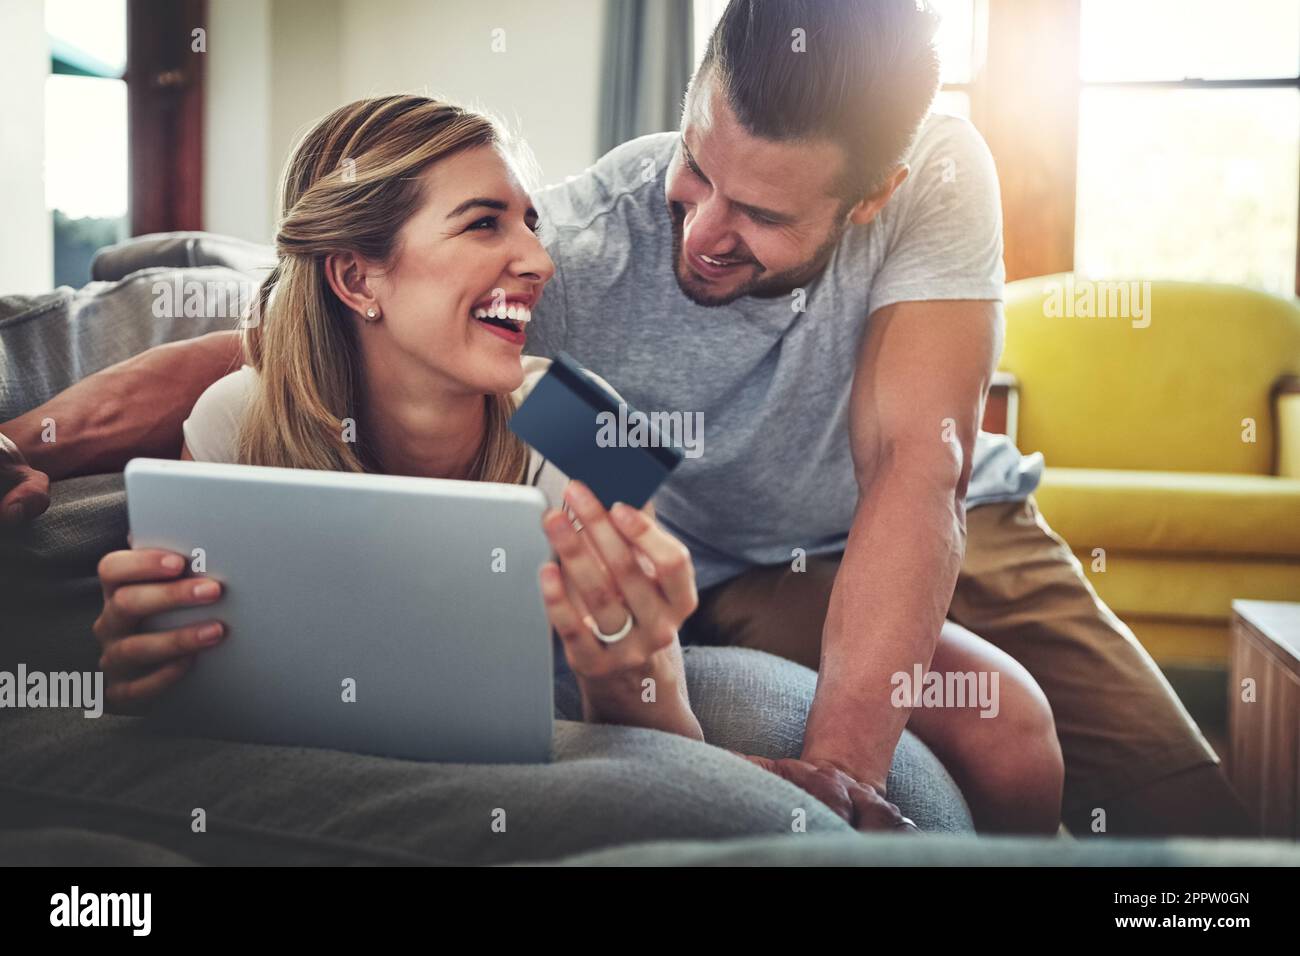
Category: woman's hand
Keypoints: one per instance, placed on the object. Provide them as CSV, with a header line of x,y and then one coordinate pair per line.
x,y
139,666
621,569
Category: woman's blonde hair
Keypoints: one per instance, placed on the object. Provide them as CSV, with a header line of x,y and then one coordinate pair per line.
x,y
350,186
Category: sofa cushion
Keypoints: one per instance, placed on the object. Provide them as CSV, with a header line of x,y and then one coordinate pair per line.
x,y
608,785
181,250
762,708
877,849
66,846
51,341
1176,587
284,805
49,591
69,847
1173,512
260,804
1148,375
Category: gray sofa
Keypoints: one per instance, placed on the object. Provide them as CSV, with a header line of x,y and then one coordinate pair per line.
x,y
110,791
64,773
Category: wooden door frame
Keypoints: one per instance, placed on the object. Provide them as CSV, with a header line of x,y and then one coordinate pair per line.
x,y
165,77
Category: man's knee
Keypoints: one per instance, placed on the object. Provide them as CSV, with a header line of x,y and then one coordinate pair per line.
x,y
1021,738
1032,727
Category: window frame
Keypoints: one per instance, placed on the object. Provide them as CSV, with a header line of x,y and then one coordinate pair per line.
x,y
1196,83
165,96
165,115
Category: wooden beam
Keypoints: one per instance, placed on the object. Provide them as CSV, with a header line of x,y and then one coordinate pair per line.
x,y
164,89
1025,102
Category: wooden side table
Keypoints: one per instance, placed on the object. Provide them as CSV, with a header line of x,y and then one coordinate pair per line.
x,y
1264,759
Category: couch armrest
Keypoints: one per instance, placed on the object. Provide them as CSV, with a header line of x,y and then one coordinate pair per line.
x,y
1286,411
1002,404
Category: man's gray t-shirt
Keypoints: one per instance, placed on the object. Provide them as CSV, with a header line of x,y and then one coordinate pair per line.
x,y
775,472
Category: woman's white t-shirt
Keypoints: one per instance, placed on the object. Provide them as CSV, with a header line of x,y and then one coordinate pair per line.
x,y
212,430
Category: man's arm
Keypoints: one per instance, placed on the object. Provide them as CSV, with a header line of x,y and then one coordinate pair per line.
x,y
918,394
133,408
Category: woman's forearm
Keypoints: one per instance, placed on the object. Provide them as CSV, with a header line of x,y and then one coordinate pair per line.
x,y
133,408
656,698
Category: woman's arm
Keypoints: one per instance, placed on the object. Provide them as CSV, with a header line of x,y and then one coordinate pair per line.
x,y
621,570
653,695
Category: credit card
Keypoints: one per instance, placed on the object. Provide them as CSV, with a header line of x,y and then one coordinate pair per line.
x,y
570,419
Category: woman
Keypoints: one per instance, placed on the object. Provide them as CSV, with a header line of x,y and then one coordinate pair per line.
x,y
402,355
389,341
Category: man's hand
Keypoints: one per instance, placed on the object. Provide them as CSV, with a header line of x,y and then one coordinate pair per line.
x,y
25,491
132,409
860,805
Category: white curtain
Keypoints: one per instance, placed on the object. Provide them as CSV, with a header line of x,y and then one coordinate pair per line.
x,y
647,63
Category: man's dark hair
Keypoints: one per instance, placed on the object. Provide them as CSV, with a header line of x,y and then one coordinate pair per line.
x,y
865,79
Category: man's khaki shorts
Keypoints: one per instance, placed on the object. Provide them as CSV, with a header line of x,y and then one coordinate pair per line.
x,y
1120,724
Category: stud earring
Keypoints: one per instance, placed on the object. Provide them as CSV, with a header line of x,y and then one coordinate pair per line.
x,y
371,314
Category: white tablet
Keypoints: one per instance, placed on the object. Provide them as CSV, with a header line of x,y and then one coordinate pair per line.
x,y
367,613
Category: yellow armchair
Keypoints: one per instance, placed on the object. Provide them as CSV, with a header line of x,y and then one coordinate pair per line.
x,y
1169,417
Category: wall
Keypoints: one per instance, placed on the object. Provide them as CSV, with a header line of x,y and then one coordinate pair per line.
x,y
545,83
276,66
305,82
238,171
26,235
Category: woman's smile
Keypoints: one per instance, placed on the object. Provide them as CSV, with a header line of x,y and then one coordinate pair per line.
x,y
505,316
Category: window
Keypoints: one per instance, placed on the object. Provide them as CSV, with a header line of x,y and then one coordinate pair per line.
x,y
1189,140
961,27
85,132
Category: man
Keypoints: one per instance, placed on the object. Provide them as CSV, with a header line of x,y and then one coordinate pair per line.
x,y
818,273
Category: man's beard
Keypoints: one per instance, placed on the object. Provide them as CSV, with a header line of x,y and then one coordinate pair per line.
x,y
761,285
